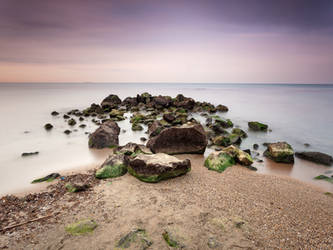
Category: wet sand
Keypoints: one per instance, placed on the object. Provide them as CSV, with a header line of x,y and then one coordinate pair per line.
x,y
238,209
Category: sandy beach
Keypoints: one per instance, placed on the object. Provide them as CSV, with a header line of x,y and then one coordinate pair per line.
x,y
238,209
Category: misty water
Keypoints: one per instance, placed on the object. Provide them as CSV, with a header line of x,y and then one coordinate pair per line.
x,y
297,114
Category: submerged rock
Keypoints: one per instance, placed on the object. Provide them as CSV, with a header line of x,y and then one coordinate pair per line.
x,y
71,122
257,126
81,227
47,178
136,239
67,131
280,152
179,140
105,136
219,161
316,157
29,154
54,113
157,167
114,166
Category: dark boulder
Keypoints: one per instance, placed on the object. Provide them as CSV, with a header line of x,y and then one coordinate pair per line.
x,y
179,140
316,157
183,102
48,126
110,102
105,136
157,167
55,113
222,108
161,101
130,102
169,117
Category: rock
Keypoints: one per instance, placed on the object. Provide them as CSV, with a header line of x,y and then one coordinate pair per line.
x,y
161,101
155,128
76,187
255,146
226,140
82,125
114,166
218,129
280,152
143,139
172,239
133,149
81,227
257,126
29,154
307,145
67,131
81,119
136,127
209,121
130,102
136,239
169,117
239,155
66,116
105,136
316,157
224,123
54,113
183,102
48,126
222,108
144,98
93,109
47,178
71,122
219,161
110,102
187,138
157,167
241,133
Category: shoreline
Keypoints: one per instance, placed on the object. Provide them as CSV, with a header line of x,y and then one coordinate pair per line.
x,y
195,205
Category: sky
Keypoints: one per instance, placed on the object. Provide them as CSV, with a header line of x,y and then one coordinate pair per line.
x,y
215,41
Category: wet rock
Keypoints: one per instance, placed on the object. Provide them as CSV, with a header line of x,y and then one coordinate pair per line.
x,y
136,239
47,178
226,140
71,122
133,149
240,156
143,139
81,227
257,126
81,119
29,154
67,131
241,133
54,113
209,121
157,167
183,102
255,146
130,102
316,157
66,116
160,102
280,152
155,128
82,125
224,123
219,161
76,187
169,117
48,126
222,108
114,166
136,127
105,136
110,102
187,138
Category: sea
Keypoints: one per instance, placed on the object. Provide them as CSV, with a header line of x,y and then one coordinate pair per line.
x,y
297,113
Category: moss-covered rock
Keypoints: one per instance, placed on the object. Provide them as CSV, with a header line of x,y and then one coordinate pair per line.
x,y
136,239
136,127
47,178
241,133
224,123
325,178
280,152
71,122
219,161
114,166
157,167
239,155
226,140
137,118
81,227
257,126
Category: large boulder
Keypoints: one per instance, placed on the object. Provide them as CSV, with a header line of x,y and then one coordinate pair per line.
x,y
183,102
280,152
157,167
316,157
188,138
110,102
105,136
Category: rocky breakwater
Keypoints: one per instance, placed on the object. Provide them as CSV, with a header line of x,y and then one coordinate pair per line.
x,y
184,139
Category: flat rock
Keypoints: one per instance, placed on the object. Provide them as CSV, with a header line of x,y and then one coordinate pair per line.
x,y
316,157
157,167
179,140
105,136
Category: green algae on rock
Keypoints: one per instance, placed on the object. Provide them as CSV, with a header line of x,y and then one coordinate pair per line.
x,y
47,178
257,126
136,239
280,152
114,166
157,167
239,155
219,161
325,178
81,227
74,188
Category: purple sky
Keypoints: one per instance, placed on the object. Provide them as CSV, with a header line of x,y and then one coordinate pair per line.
x,y
166,41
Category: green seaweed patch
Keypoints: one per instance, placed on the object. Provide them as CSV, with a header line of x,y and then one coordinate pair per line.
x,y
48,178
219,162
137,237
111,171
324,177
81,227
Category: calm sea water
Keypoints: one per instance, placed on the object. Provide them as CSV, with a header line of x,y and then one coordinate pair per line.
x,y
296,113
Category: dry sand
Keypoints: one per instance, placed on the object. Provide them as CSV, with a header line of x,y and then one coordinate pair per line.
x,y
238,209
